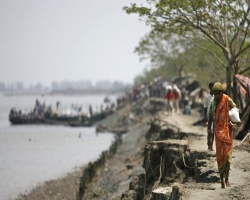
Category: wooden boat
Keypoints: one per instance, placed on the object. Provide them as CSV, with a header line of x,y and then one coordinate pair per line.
x,y
25,119
16,117
54,119
89,121
118,130
57,121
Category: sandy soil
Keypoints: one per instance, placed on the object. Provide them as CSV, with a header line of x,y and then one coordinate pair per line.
x,y
114,179
239,178
240,168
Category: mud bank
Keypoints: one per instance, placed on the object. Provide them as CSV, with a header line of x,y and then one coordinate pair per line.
x,y
160,157
170,160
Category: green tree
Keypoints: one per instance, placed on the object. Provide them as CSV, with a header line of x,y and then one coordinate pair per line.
x,y
205,65
224,23
165,52
172,57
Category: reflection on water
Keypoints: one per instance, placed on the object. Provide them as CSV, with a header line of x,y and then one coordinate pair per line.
x,y
32,154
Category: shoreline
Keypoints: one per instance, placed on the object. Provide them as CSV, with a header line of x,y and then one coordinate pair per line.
x,y
122,176
67,185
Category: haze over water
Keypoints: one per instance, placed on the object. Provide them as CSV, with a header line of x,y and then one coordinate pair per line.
x,y
32,154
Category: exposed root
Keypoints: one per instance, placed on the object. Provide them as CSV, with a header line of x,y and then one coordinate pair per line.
x,y
159,179
185,162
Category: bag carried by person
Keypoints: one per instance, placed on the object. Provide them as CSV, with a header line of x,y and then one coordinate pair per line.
x,y
234,115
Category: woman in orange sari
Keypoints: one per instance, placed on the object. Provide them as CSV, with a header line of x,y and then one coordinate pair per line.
x,y
219,114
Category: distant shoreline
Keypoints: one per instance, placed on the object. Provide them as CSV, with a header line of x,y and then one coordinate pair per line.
x,y
64,92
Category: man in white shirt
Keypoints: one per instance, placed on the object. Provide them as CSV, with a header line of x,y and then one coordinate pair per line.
x,y
206,106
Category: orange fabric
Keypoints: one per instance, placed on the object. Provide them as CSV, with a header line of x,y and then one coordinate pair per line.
x,y
223,137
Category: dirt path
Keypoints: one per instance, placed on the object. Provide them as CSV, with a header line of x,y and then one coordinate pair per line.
x,y
239,178
240,168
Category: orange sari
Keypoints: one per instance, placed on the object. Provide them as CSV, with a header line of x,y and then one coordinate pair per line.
x,y
223,137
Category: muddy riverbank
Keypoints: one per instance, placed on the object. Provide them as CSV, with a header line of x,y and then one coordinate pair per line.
x,y
159,157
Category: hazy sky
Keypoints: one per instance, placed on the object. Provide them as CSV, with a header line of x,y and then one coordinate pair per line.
x,y
56,40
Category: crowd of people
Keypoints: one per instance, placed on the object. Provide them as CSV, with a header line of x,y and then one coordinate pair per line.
x,y
176,96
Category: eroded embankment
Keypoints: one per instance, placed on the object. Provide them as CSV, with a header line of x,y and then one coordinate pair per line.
x,y
90,171
170,164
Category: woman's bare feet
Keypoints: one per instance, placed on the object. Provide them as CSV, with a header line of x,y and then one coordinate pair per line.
x,y
228,184
223,185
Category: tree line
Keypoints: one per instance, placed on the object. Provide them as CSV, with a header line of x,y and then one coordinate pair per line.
x,y
206,38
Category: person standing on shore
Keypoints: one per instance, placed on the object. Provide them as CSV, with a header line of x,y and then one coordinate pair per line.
x,y
176,97
206,106
169,97
219,114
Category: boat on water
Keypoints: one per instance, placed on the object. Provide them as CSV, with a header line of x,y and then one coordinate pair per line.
x,y
55,119
17,117
42,114
33,116
64,120
90,121
117,130
51,118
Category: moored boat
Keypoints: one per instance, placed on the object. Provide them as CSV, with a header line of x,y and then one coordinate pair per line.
x,y
17,117
61,119
71,117
88,121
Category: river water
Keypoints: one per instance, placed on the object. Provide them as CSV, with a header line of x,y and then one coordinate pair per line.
x,y
32,154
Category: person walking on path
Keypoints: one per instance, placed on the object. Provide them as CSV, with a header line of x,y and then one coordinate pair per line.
x,y
169,97
206,106
219,114
176,99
